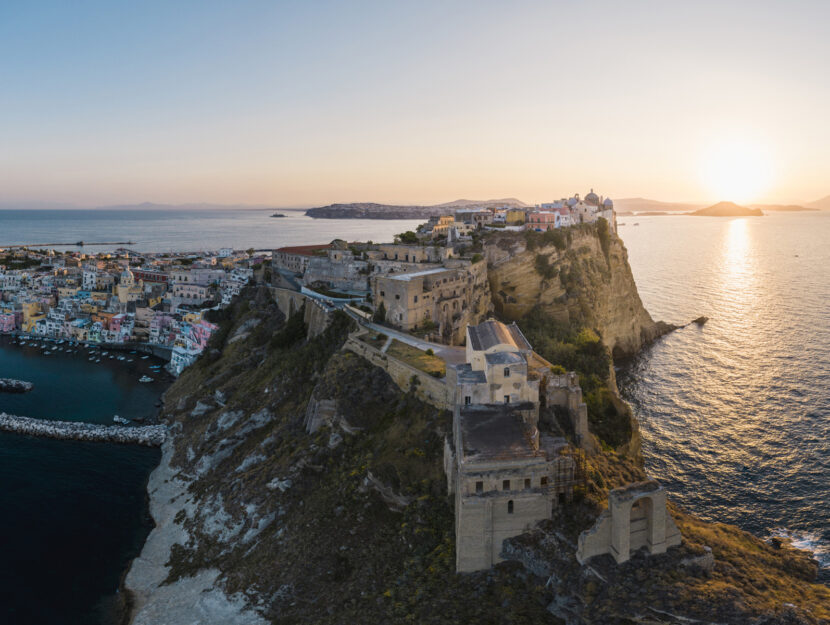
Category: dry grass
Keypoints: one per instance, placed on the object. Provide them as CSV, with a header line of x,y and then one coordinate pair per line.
x,y
433,365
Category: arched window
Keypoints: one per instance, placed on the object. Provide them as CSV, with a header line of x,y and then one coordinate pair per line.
x,y
510,507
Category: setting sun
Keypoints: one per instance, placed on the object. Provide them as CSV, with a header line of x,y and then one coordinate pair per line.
x,y
737,171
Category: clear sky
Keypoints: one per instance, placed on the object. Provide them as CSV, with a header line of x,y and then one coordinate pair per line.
x,y
302,103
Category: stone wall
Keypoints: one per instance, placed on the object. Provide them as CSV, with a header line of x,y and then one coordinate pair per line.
x,y
636,518
437,392
317,314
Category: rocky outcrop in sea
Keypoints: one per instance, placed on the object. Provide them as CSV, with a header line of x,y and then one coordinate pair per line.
x,y
7,385
148,435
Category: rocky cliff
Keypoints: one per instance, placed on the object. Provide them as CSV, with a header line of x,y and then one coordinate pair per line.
x,y
578,275
259,520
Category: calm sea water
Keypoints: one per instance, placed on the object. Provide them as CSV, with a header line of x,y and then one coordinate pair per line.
x,y
735,415
73,513
187,230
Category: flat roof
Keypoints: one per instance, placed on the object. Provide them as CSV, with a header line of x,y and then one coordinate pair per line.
x,y
495,432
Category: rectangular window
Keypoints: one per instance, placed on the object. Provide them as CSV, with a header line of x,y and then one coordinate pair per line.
x,y
467,400
507,399
527,482
416,299
507,372
383,293
397,296
544,481
479,487
510,507
505,485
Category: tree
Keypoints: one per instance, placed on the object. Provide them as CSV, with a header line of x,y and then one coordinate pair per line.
x,y
380,314
407,237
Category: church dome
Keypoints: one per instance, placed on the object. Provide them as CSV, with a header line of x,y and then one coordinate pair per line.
x,y
572,201
592,198
127,277
608,203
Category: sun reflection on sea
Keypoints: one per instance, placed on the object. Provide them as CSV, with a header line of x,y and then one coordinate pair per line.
x,y
739,279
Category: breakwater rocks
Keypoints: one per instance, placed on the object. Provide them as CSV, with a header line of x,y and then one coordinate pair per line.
x,y
7,385
148,435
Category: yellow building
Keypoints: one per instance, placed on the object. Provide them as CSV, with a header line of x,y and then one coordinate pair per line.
x,y
514,216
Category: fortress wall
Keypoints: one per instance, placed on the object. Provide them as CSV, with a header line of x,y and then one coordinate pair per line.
x,y
432,390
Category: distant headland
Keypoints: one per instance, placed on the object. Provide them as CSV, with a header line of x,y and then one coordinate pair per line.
x,y
371,210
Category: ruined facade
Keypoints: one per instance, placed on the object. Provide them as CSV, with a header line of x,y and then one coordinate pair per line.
x,y
636,518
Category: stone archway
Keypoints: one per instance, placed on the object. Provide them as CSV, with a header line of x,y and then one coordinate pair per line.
x,y
638,519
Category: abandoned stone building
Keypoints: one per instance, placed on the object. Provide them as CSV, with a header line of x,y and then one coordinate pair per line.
x,y
636,517
505,474
445,299
415,253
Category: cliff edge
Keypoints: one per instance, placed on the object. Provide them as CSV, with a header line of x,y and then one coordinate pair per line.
x,y
577,275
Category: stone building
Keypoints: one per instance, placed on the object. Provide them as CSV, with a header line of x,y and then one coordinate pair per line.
x,y
496,370
445,298
295,259
410,253
506,476
636,518
338,269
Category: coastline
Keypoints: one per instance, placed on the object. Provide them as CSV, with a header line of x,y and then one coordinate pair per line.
x,y
193,599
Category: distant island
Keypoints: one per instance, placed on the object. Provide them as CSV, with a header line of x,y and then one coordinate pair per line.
x,y
783,207
370,210
277,215
728,209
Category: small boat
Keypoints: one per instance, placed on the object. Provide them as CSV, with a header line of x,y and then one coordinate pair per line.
x,y
144,357
132,352
91,359
129,359
99,360
145,379
104,353
121,358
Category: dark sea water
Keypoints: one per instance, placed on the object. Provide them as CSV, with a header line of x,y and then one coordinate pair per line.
x,y
72,514
187,230
735,416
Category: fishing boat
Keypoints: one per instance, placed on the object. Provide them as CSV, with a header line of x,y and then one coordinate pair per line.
x,y
145,379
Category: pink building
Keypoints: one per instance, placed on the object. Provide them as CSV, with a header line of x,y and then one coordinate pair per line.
x,y
200,333
9,322
542,221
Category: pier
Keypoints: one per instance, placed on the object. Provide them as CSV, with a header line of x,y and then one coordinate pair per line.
x,y
147,435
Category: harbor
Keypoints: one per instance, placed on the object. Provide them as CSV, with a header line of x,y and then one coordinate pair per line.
x,y
147,435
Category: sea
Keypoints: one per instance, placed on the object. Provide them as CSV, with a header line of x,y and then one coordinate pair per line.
x,y
185,230
734,414
73,513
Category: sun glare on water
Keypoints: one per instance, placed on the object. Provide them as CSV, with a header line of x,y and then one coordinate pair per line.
x,y
737,171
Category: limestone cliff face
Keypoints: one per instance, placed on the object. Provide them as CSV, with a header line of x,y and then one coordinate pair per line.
x,y
576,280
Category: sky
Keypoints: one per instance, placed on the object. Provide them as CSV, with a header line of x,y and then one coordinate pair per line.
x,y
309,103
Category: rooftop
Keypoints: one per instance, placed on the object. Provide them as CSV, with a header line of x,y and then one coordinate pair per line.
x,y
495,432
504,358
491,333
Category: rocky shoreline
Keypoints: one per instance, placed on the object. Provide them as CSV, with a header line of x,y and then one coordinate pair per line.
x,y
147,435
7,385
194,599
